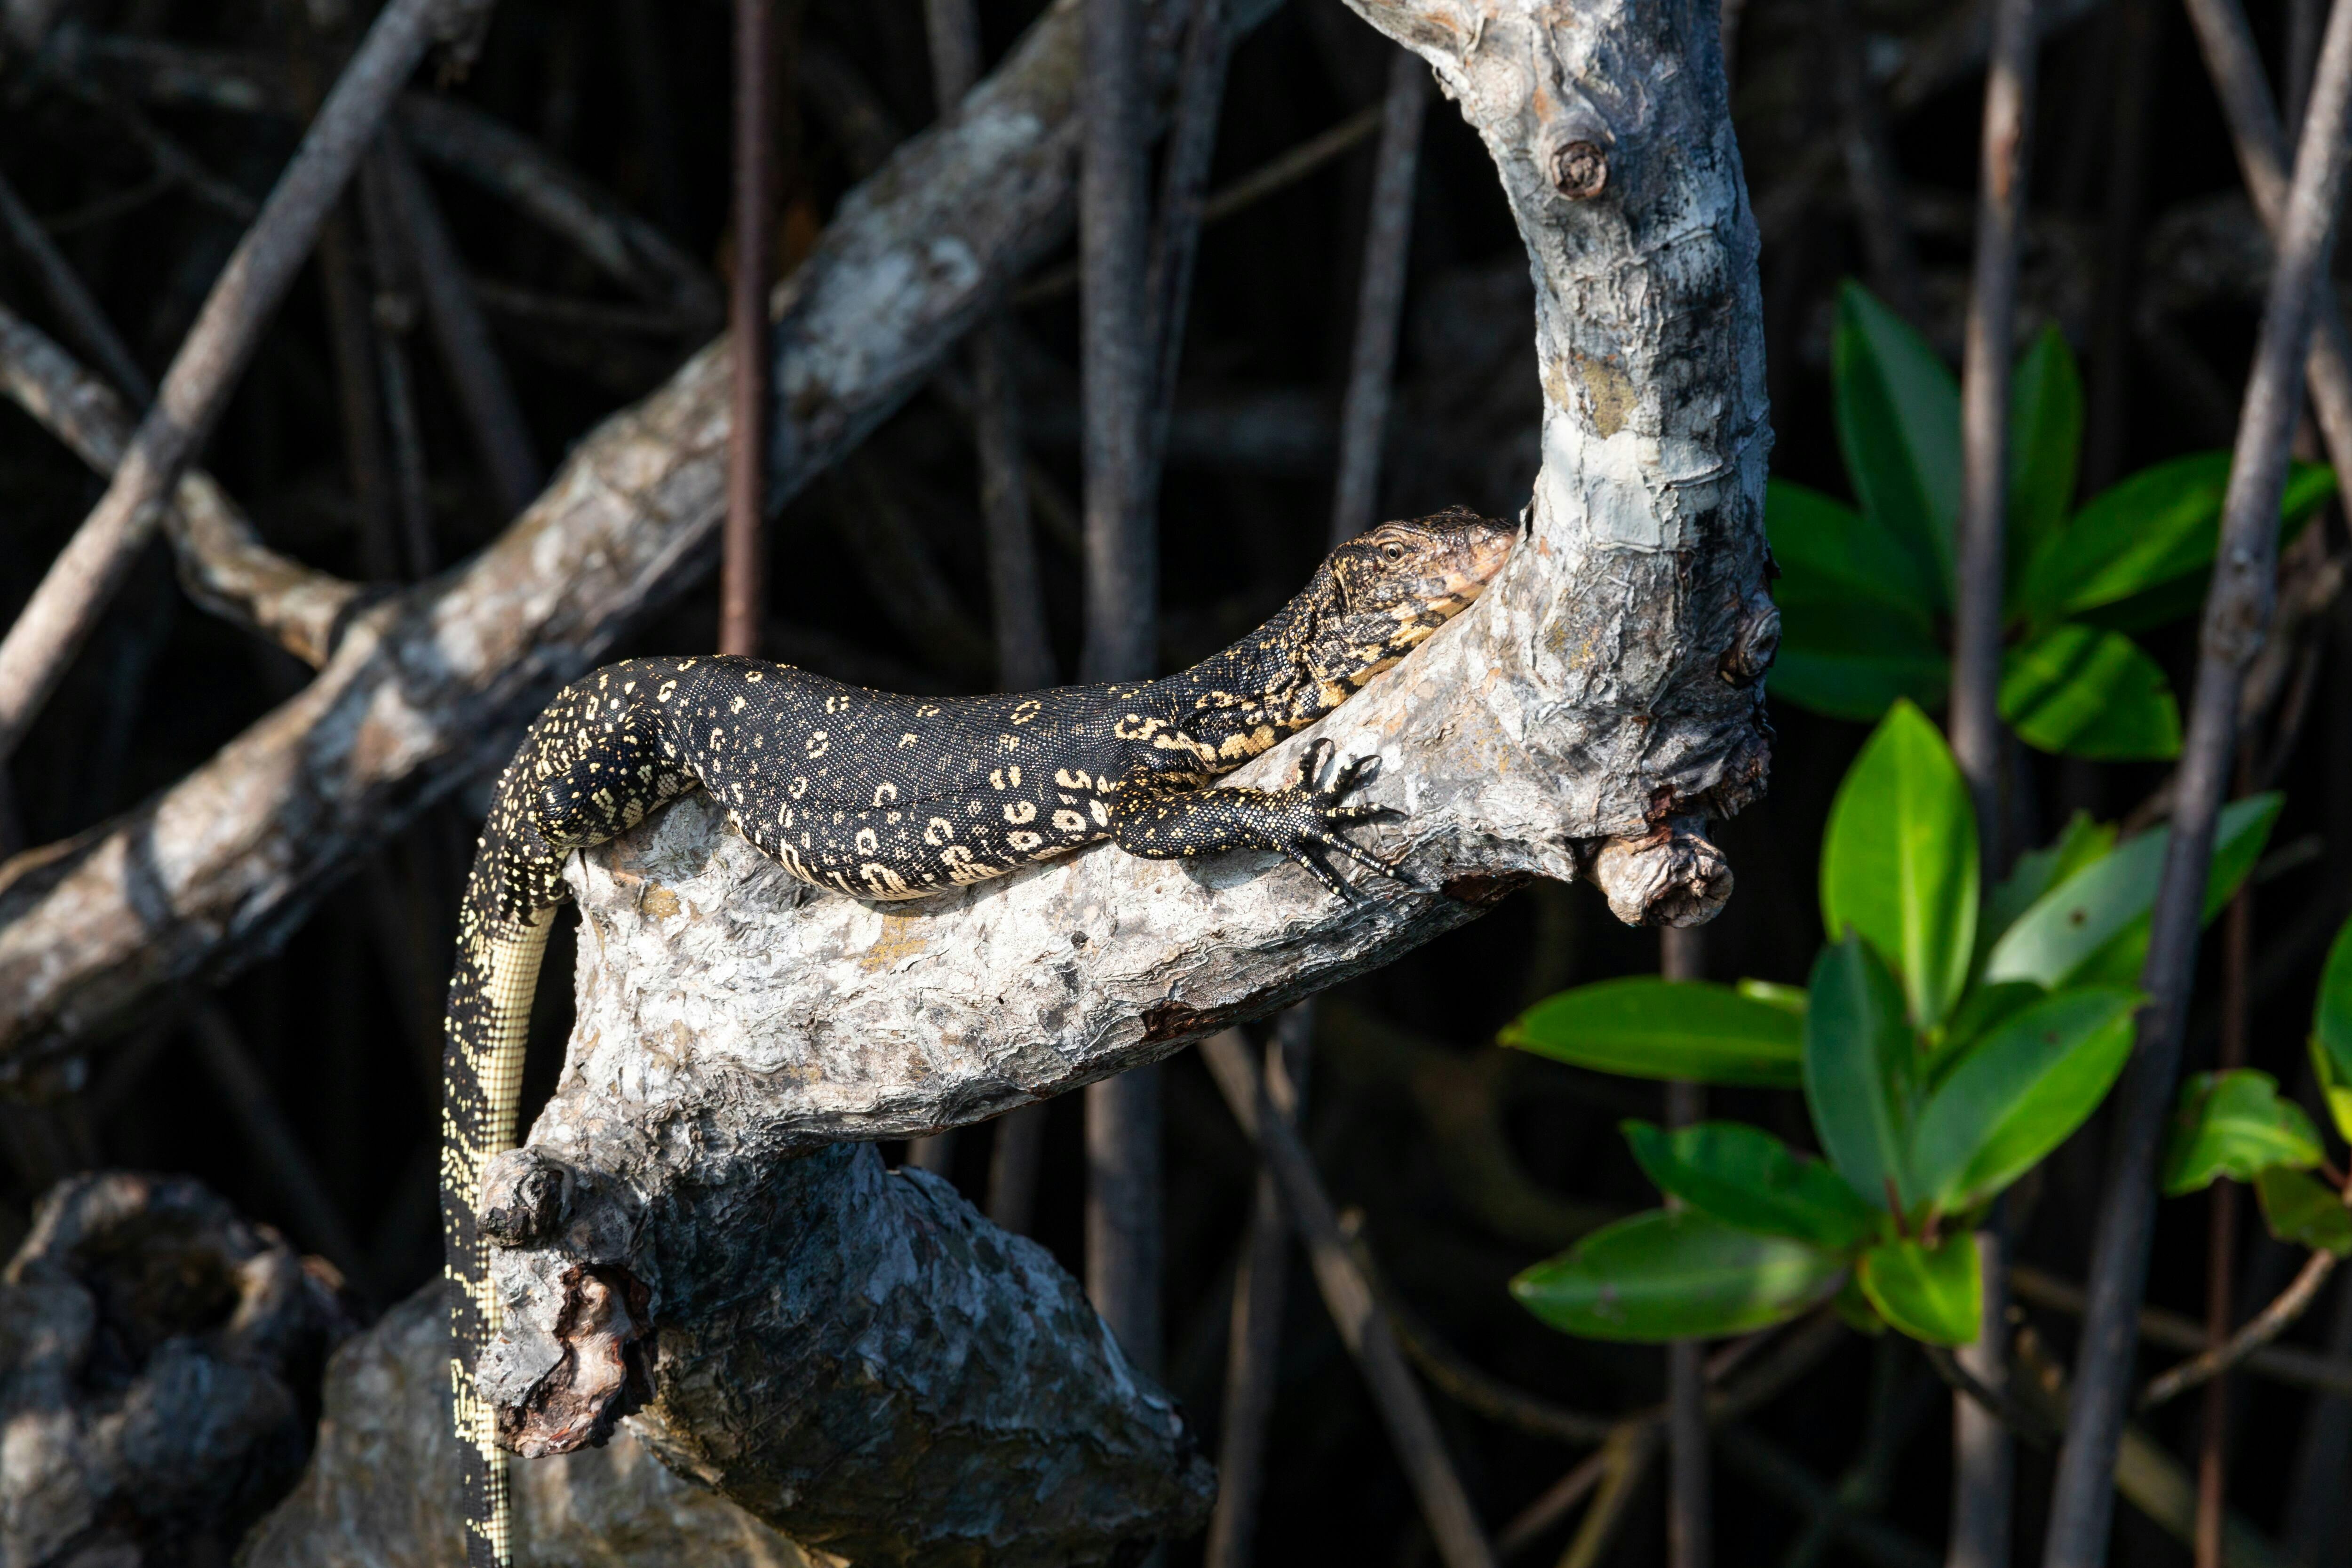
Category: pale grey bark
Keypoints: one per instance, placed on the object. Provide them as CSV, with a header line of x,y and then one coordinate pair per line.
x,y
1580,721
432,688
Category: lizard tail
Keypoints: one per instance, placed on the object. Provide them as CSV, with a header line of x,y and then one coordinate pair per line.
x,y
488,1021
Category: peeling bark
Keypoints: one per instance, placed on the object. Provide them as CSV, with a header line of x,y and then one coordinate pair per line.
x,y
431,687
1581,721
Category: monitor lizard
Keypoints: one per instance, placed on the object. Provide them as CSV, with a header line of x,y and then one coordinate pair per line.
x,y
884,797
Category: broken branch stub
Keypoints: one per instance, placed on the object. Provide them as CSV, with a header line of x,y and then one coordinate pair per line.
x,y
1582,720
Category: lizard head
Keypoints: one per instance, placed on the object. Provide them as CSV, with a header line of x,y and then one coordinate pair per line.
x,y
1392,587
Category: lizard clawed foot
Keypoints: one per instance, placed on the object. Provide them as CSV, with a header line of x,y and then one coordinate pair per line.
x,y
1324,806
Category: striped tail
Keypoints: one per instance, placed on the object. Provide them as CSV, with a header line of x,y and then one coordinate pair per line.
x,y
490,1020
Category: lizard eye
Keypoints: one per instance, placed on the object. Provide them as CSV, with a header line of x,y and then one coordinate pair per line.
x,y
1393,552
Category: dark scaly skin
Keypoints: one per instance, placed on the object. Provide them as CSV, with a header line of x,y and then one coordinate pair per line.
x,y
891,797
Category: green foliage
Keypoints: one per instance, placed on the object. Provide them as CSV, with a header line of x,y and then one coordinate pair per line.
x,y
2302,1211
1646,1027
1932,1293
1747,1177
2331,1033
2089,693
1862,1072
1661,1275
1865,593
2016,1094
1898,422
1939,1064
2235,1124
1899,861
2098,916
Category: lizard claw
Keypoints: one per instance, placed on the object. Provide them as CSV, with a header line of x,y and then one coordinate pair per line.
x,y
1326,809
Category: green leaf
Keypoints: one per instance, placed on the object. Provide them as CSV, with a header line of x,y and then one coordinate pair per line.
x,y
1898,419
1854,1307
1772,994
1936,1294
1830,553
1744,1176
2080,692
1854,658
2304,1212
2082,842
2331,1032
1661,1275
2019,1093
2155,528
1899,861
2335,1088
2234,1124
2094,923
2045,441
1643,1026
1861,1071
1982,1010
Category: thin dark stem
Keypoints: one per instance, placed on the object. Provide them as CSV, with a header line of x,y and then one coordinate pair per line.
x,y
1690,1543
359,393
1258,1105
1183,191
2237,614
66,607
2236,70
2260,1330
1122,590
1252,1353
486,396
2003,165
254,1107
2222,1233
1380,299
71,300
2138,25
1983,1463
1122,600
394,315
1024,655
1012,1168
743,570
1871,179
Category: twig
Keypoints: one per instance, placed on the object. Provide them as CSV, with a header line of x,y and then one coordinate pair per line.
x,y
1278,173
392,313
629,250
1555,1501
2237,612
171,160
1870,176
1983,1466
1690,1543
2281,1363
1024,655
65,606
485,394
1411,1431
1785,1479
1122,620
2236,70
743,568
1253,1348
224,565
1012,1163
1122,568
2021,1420
2265,1326
1625,1464
1380,299
1176,234
2221,1214
359,392
71,300
295,1180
